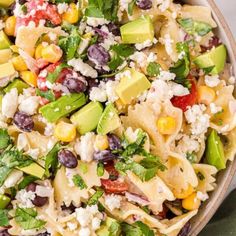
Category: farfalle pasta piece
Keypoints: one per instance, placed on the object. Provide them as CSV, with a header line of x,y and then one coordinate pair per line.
x,y
230,145
179,174
155,190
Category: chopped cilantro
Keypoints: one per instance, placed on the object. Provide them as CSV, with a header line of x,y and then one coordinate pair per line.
x,y
192,158
4,221
153,69
136,229
49,94
4,138
26,218
26,181
52,77
79,182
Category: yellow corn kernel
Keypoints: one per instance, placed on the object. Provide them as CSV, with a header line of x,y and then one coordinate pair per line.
x,y
29,77
10,26
101,142
14,49
38,51
206,95
87,36
19,63
51,53
65,132
72,15
184,193
166,125
191,202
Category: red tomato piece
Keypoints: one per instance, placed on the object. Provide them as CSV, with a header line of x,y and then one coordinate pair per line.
x,y
110,168
183,102
63,74
114,186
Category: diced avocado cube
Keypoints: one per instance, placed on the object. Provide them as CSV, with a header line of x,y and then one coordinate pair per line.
x,y
132,86
18,84
109,120
6,3
4,40
33,169
6,69
215,58
109,227
63,106
5,55
215,151
4,201
87,118
137,31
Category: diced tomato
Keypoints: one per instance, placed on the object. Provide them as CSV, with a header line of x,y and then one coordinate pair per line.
x,y
52,67
43,101
110,168
183,102
63,74
42,10
114,186
41,83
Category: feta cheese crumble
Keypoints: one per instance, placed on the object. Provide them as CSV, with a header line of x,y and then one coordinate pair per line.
x,y
10,103
94,22
215,109
212,80
25,198
145,44
62,7
113,201
168,42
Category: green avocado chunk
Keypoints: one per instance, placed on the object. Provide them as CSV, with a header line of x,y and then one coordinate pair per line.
x,y
4,40
18,84
215,151
6,3
63,106
111,227
215,58
87,118
33,169
137,31
4,201
109,120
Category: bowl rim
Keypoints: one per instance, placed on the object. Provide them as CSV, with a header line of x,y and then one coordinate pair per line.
x,y
226,176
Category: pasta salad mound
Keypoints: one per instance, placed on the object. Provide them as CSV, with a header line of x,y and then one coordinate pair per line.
x,y
115,116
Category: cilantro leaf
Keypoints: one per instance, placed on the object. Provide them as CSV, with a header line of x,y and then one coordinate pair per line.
x,y
4,138
194,27
153,69
51,161
102,9
95,197
115,62
208,70
136,229
4,172
4,221
144,228
79,182
26,218
52,77
49,94
123,50
26,181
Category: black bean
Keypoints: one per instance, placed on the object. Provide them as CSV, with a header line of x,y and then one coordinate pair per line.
x,y
23,121
114,29
114,142
67,159
38,200
144,4
185,230
75,85
104,156
4,233
98,54
71,208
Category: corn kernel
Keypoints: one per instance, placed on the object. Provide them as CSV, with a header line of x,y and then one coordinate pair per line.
x,y
38,51
29,77
65,132
72,15
206,95
101,142
88,36
10,26
191,202
51,53
184,193
166,125
19,63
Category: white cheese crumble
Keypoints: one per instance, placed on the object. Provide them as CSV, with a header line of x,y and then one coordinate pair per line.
x,y
96,222
28,104
94,22
85,148
197,119
83,68
98,94
140,58
25,198
202,196
152,57
62,7
145,44
166,76
212,80
232,80
215,109
178,89
168,42
10,103
84,232
113,201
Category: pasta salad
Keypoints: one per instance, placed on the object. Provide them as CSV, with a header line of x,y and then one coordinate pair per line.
x,y
115,116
